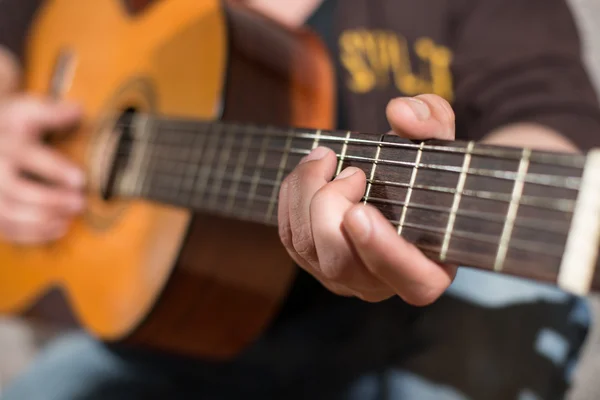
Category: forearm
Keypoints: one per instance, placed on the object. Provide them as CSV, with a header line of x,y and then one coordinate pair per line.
x,y
10,71
532,135
15,19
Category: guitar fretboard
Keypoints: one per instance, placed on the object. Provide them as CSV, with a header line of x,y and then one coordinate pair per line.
x,y
496,208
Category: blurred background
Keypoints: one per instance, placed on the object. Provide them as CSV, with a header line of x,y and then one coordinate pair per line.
x,y
20,342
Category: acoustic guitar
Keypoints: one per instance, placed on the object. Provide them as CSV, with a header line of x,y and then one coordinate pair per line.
x,y
195,111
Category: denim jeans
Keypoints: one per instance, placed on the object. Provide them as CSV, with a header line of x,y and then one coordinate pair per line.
x,y
489,337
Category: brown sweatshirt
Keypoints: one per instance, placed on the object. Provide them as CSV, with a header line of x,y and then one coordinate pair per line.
x,y
496,61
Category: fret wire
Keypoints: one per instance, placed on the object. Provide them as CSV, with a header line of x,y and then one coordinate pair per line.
x,y
413,177
571,183
495,152
205,170
456,200
145,157
282,165
257,172
179,178
181,187
512,211
316,139
342,155
222,168
199,143
237,174
373,168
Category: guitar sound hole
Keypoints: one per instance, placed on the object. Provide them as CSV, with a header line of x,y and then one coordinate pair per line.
x,y
122,153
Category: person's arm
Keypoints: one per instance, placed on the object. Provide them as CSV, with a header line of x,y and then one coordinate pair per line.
x,y
532,135
29,211
15,19
520,78
9,72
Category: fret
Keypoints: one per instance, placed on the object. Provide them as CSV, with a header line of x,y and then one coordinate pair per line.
x,y
316,140
373,170
456,201
279,179
435,218
237,175
256,175
143,135
512,211
413,177
141,153
177,165
300,147
343,153
579,259
195,159
206,167
221,168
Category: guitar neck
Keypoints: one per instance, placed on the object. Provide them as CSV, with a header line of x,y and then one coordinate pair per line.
x,y
517,211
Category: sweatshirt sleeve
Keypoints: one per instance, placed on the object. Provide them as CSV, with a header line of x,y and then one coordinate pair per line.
x,y
521,61
15,18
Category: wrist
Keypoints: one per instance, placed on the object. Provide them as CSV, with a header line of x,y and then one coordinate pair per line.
x,y
531,135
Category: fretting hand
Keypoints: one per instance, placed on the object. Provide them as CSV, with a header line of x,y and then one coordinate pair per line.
x,y
350,247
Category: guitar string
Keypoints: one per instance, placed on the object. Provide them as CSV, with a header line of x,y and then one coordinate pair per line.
x,y
458,257
492,255
576,161
561,182
371,181
561,205
483,195
540,224
518,244
572,183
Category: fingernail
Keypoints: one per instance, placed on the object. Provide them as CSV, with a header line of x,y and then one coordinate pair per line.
x,y
420,108
348,172
359,224
316,154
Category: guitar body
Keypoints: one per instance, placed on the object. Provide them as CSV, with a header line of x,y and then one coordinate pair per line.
x,y
134,270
